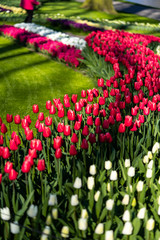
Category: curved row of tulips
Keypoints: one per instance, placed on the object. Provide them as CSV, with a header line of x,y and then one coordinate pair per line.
x,y
79,172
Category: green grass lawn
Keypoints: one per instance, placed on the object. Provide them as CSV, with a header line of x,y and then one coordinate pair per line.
x,y
29,78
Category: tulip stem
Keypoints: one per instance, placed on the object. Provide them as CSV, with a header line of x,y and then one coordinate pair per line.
x,y
49,166
42,186
26,178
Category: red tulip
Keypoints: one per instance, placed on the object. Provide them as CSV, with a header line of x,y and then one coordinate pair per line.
x,y
133,127
29,159
97,121
13,175
128,121
6,154
48,121
95,111
9,118
146,111
102,137
77,125
133,111
28,118
135,99
92,138
67,130
58,153
12,144
35,108
0,178
100,82
118,117
74,98
17,119
78,108
41,127
105,124
26,166
61,113
71,115
102,113
52,110
8,166
73,150
105,93
128,99
24,123
88,109
84,144
90,97
32,153
29,135
108,137
89,120
85,130
39,145
141,118
122,128
37,124
41,165
83,93
0,121
48,105
79,117
56,101
47,132
101,100
67,103
41,116
1,139
17,139
3,128
74,138
57,142
60,127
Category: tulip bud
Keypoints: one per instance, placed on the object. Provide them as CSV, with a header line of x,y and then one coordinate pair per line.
x,y
96,196
46,233
74,200
65,232
127,229
5,214
113,176
84,213
82,224
41,165
109,235
130,188
149,173
126,216
92,170
108,187
77,183
109,204
125,199
150,224
127,163
90,183
141,213
99,229
52,200
155,147
108,165
13,175
48,220
133,202
32,211
150,164
146,159
14,227
139,186
55,213
149,154
131,172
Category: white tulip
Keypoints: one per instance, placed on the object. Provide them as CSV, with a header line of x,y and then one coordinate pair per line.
x,y
108,165
82,224
32,211
74,200
150,164
149,154
14,227
130,188
109,235
146,159
65,232
52,200
127,229
96,196
141,213
55,213
149,173
155,147
125,199
139,186
5,214
90,183
92,170
126,216
77,183
108,187
127,163
113,176
131,172
109,204
150,224
99,229
84,213
46,233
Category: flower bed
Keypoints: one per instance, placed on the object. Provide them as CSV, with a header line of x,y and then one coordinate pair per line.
x,y
5,10
90,169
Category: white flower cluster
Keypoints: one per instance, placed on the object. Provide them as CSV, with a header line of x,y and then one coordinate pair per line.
x,y
53,35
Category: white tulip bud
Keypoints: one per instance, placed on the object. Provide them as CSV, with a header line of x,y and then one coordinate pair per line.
x,y
149,154
55,213
32,211
127,163
96,196
74,200
156,147
109,235
126,216
130,188
108,187
150,164
125,199
14,227
113,176
84,213
131,172
90,183
146,159
82,224
139,186
46,233
77,183
149,173
5,214
48,220
65,232
108,165
92,170
127,229
141,213
52,200
109,204
150,224
159,210
99,229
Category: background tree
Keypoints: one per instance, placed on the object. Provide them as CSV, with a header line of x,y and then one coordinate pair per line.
x,y
99,5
